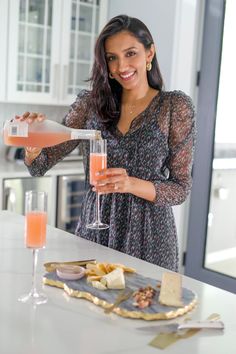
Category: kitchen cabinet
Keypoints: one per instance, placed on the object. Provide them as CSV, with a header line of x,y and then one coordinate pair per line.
x,y
3,48
50,52
70,194
64,183
14,194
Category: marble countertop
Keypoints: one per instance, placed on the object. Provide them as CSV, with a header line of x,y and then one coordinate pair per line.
x,y
66,324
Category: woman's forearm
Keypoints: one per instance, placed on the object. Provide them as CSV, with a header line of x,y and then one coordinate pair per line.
x,y
142,189
116,180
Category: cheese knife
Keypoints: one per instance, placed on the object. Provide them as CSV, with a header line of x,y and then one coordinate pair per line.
x,y
122,296
52,266
177,327
164,340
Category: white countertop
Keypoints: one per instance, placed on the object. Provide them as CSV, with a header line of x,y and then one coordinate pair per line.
x,y
18,169
76,326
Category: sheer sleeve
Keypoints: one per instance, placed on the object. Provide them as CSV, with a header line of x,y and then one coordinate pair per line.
x,y
75,118
181,141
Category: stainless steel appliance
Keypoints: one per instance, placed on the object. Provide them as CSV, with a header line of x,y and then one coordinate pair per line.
x,y
70,193
14,192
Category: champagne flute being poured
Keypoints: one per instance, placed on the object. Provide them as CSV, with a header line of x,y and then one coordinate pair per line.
x,y
97,162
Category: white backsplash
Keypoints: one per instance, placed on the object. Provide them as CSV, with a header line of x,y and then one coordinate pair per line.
x,y
8,110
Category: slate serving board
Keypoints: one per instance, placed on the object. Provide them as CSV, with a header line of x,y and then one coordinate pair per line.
x,y
81,289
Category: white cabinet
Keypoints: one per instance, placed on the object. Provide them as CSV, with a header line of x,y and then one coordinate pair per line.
x,y
51,45
3,48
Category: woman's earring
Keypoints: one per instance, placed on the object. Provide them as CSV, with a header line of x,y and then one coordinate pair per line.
x,y
149,66
111,76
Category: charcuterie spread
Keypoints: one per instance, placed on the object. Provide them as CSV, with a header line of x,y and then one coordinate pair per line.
x,y
127,293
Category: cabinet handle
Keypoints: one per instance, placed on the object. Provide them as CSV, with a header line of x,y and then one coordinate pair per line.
x,y
6,198
65,82
9,199
55,80
64,218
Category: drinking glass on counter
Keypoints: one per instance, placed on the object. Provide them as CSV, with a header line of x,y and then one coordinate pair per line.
x,y
35,237
97,162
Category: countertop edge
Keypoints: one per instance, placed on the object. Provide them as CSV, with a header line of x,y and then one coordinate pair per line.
x,y
15,169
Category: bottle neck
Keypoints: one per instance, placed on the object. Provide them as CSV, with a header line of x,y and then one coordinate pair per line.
x,y
85,134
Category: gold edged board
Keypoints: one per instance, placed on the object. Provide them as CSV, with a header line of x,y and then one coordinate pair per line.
x,y
81,289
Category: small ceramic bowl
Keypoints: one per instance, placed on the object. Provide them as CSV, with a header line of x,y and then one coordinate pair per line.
x,y
70,272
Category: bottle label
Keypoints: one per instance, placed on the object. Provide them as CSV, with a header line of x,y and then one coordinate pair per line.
x,y
18,129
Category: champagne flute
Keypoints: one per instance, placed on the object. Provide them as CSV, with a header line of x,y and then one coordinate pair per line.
x,y
97,162
35,237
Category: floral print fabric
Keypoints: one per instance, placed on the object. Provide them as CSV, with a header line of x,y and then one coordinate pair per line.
x,y
158,147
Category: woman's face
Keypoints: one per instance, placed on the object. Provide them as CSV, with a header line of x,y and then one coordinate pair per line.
x,y
127,59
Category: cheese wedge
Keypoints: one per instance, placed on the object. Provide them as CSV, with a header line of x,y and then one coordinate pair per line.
x,y
171,290
114,279
98,285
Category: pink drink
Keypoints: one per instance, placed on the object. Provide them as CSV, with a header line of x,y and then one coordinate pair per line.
x,y
37,139
98,162
35,229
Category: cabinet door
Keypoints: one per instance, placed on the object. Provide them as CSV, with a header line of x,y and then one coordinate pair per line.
x,y
71,191
3,48
14,190
83,19
33,50
51,46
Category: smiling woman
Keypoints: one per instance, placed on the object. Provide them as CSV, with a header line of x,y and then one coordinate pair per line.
x,y
125,56
150,137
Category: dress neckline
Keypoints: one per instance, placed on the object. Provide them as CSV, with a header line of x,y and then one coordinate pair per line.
x,y
139,116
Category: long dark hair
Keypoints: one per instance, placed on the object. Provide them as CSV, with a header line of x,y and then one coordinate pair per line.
x,y
106,93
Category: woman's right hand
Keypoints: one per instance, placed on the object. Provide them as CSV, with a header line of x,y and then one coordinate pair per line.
x,y
30,117
31,152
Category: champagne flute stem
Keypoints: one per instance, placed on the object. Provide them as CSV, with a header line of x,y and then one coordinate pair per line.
x,y
98,208
35,261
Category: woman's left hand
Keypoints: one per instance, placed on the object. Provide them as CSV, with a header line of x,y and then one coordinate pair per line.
x,y
113,180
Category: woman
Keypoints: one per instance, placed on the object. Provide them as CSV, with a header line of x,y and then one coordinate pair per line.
x,y
150,136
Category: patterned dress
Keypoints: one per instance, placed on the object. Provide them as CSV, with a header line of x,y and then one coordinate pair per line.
x,y
159,148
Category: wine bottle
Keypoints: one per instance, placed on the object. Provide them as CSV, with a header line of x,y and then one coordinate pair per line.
x,y
43,134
